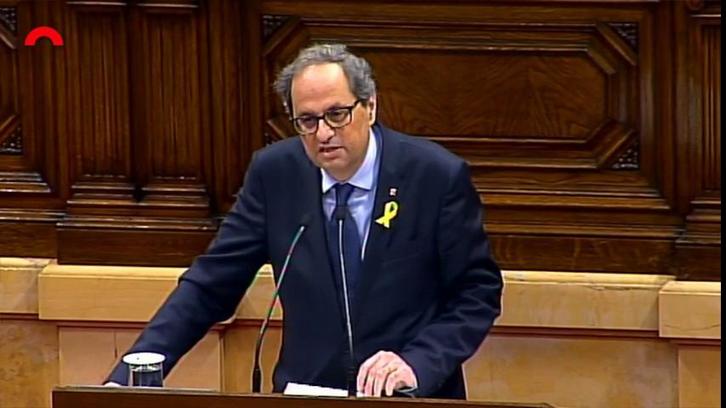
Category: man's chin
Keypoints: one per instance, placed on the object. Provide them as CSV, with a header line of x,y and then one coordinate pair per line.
x,y
334,169
331,165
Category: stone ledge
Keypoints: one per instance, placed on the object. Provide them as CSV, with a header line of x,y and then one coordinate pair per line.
x,y
690,310
19,284
556,299
531,299
619,302
126,293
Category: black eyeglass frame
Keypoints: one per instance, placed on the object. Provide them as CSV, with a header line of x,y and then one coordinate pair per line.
x,y
324,117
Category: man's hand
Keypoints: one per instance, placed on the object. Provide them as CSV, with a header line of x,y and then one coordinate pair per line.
x,y
385,371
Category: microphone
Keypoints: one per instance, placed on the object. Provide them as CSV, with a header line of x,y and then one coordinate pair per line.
x,y
256,372
339,214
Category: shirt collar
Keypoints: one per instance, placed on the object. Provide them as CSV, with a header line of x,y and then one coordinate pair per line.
x,y
363,178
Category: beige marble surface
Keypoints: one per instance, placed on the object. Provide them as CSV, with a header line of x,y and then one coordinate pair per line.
x,y
554,299
574,371
699,377
531,299
239,346
257,299
128,294
572,339
201,367
28,363
690,310
19,284
109,293
87,356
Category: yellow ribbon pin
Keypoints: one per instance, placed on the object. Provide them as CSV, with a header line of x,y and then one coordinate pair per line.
x,y
389,212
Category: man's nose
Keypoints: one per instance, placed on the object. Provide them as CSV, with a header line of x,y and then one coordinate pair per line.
x,y
324,132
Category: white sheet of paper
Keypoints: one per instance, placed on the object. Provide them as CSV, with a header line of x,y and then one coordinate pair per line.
x,y
314,390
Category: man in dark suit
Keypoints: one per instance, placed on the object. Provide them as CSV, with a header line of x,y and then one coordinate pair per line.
x,y
392,218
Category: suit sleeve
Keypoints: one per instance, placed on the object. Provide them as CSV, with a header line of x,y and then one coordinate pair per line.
x,y
210,290
471,289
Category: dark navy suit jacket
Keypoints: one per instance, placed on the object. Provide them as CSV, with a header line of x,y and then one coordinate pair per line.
x,y
429,288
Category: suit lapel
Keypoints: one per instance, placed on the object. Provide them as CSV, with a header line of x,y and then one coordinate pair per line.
x,y
380,236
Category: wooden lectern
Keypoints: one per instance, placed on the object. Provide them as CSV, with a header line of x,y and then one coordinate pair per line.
x,y
125,397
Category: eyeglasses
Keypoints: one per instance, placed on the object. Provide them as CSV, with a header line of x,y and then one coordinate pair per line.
x,y
335,118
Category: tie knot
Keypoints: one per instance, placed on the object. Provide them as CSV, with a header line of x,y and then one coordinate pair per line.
x,y
342,194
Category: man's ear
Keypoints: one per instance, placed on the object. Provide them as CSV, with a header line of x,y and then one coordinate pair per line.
x,y
372,110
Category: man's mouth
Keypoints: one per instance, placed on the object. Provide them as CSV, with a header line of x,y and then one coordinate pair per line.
x,y
328,149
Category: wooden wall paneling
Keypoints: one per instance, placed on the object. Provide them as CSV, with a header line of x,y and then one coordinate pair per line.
x,y
698,107
152,164
234,32
226,101
31,130
97,46
255,88
11,141
282,36
553,111
45,98
173,90
664,142
589,150
100,170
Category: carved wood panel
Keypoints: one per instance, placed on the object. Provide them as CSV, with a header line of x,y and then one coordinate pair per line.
x,y
549,112
30,185
11,139
101,118
592,128
699,104
140,128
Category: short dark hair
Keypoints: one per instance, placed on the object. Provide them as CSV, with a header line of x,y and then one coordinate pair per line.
x,y
357,70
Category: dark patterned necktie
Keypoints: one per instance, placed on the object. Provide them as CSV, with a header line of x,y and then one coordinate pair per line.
x,y
351,239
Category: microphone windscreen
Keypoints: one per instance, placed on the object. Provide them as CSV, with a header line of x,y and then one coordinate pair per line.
x,y
305,219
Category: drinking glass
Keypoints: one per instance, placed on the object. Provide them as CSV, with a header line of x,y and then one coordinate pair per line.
x,y
145,369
